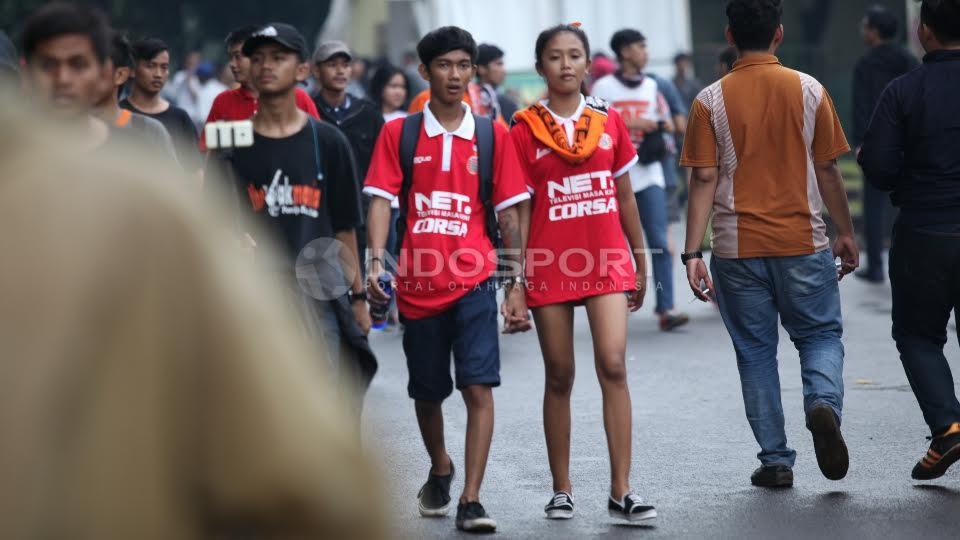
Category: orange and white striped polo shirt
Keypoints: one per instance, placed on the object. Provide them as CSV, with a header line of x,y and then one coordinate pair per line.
x,y
764,126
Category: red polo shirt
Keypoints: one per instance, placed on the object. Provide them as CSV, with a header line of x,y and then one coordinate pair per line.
x,y
240,104
446,251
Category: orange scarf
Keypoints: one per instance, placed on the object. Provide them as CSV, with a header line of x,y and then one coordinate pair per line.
x,y
586,134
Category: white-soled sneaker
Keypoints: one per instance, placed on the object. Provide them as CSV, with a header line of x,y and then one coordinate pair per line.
x,y
631,508
560,506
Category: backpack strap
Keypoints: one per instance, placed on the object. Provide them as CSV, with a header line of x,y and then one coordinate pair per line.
x,y
409,135
485,152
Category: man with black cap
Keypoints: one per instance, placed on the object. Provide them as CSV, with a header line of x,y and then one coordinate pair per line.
x,y
300,185
358,118
490,74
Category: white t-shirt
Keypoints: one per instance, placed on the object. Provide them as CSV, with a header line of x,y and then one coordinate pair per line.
x,y
644,101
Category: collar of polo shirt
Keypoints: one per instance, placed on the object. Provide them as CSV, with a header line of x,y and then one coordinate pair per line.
x,y
569,124
433,128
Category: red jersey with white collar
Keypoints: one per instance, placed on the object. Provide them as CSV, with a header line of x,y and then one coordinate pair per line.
x,y
445,250
577,247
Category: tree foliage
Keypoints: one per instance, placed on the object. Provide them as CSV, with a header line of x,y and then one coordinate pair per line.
x,y
188,24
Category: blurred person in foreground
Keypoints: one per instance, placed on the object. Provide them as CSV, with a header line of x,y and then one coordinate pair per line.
x,y
767,179
66,49
9,62
885,61
912,149
147,131
153,386
298,186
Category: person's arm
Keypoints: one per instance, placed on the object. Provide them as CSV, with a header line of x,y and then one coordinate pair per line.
x,y
515,310
834,194
881,155
703,190
378,229
630,223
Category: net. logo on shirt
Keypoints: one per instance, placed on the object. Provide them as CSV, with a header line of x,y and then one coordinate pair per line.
x,y
582,195
442,212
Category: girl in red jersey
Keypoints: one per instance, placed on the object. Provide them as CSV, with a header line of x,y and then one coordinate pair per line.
x,y
576,153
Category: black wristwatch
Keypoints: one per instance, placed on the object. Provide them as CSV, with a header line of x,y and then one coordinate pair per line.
x,y
357,296
687,257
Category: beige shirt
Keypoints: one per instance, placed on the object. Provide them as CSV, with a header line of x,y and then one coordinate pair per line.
x,y
151,384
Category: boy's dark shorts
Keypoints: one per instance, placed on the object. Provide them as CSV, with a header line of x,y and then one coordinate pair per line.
x,y
469,330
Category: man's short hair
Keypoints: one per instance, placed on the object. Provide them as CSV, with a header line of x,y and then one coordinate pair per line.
x,y
754,23
238,35
145,50
487,53
443,40
682,57
883,21
943,17
58,19
120,51
624,38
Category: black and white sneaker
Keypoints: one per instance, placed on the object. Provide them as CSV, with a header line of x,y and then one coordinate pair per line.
x,y
471,517
434,497
631,508
560,506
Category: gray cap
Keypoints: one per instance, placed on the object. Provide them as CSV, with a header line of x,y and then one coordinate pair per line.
x,y
328,49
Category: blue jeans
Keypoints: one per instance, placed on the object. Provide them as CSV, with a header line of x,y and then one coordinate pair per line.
x,y
652,203
804,293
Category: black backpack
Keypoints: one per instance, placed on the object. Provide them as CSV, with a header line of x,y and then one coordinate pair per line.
x,y
484,138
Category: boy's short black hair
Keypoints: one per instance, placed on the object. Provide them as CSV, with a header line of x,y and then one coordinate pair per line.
x,y
59,18
728,57
120,51
754,23
943,17
487,53
443,40
238,35
145,50
885,23
623,38
680,57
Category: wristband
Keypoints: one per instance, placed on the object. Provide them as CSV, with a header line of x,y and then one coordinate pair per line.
x,y
687,257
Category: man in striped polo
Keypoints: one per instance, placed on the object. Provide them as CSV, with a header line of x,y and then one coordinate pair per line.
x,y
763,143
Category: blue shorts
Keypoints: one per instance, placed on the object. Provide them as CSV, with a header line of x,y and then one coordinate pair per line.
x,y
469,330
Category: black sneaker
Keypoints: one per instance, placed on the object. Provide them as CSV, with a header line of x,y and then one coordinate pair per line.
x,y
944,451
434,496
832,456
471,517
631,508
560,506
772,476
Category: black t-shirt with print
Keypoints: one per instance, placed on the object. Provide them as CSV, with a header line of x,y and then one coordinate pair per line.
x,y
277,181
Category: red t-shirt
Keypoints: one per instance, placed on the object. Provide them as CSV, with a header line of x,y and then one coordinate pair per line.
x,y
446,251
577,247
240,104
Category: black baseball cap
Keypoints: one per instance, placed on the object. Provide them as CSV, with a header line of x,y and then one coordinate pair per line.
x,y
285,35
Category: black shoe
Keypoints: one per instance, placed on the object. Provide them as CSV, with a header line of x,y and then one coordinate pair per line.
x,y
471,517
772,476
944,451
631,508
828,442
560,506
869,276
434,496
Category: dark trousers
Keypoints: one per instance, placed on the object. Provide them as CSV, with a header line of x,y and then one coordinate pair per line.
x,y
925,277
876,209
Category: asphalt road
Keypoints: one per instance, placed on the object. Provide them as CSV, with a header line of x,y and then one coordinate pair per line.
x,y
693,449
